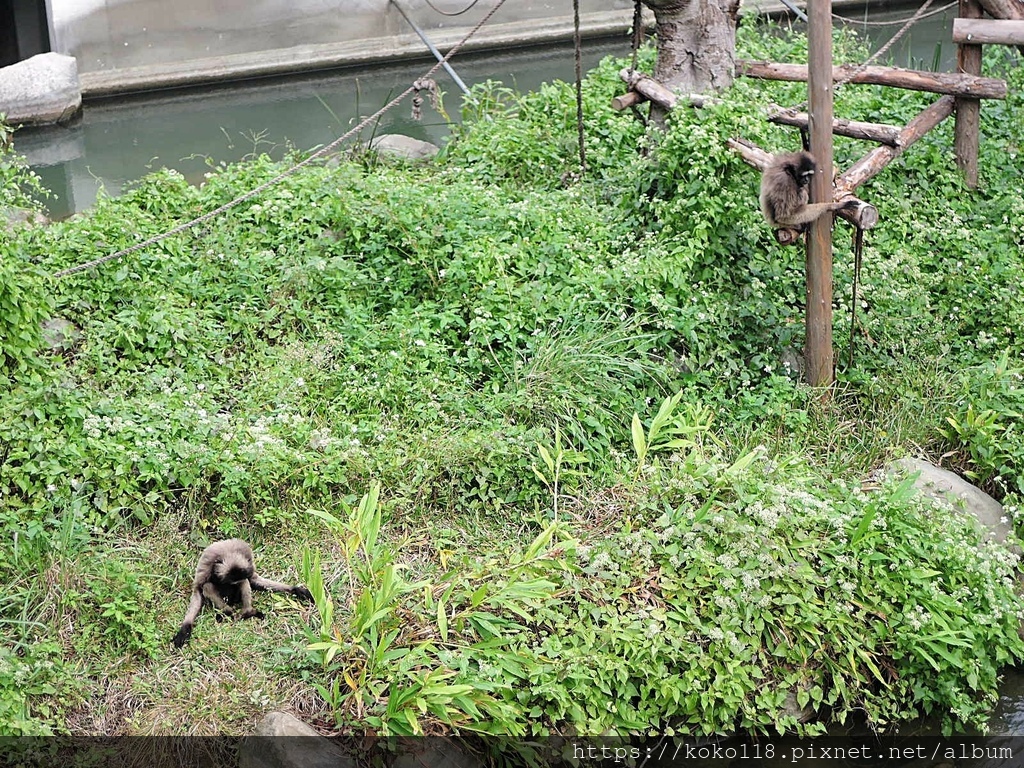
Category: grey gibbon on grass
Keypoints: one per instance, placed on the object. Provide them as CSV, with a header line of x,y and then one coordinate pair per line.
x,y
226,576
785,192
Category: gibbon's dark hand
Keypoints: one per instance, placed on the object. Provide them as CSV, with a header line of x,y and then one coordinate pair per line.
x,y
182,637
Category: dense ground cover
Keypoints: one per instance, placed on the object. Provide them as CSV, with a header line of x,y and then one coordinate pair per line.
x,y
535,443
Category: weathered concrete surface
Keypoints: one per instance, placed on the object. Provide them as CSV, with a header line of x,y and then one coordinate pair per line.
x,y
41,90
282,741
400,46
951,489
404,147
132,45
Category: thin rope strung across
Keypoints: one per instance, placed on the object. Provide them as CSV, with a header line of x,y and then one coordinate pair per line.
x,y
894,22
284,174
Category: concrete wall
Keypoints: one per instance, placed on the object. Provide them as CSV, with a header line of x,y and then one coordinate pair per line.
x,y
133,44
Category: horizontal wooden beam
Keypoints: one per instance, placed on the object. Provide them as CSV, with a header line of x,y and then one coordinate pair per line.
x,y
911,79
854,129
988,31
651,89
750,152
875,161
627,100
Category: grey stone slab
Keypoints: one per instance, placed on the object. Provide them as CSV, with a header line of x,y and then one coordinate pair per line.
x,y
950,489
404,147
40,90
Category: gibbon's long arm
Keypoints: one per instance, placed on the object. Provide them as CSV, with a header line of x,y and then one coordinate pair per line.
x,y
195,604
812,212
247,609
269,585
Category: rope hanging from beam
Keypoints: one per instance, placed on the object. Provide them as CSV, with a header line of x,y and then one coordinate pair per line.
x,y
578,45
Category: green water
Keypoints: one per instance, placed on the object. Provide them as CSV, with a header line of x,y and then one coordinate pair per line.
x,y
117,141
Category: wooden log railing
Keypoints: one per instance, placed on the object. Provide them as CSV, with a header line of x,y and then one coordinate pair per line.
x,y
875,161
854,129
985,31
967,134
647,88
1004,9
911,79
627,100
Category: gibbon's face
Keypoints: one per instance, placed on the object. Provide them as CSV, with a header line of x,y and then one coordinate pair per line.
x,y
234,570
802,171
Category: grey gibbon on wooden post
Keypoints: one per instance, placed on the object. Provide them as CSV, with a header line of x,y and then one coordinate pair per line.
x,y
785,192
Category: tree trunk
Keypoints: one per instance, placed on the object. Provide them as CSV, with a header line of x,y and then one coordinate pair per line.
x,y
696,45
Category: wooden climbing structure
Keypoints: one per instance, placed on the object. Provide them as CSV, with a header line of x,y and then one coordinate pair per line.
x,y
960,93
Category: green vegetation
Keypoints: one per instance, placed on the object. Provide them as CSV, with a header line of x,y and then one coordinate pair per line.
x,y
532,443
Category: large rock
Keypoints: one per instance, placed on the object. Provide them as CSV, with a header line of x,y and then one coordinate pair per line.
x,y
404,147
282,741
951,489
302,748
40,90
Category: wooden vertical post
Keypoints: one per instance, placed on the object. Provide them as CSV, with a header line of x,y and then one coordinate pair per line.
x,y
818,354
968,111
